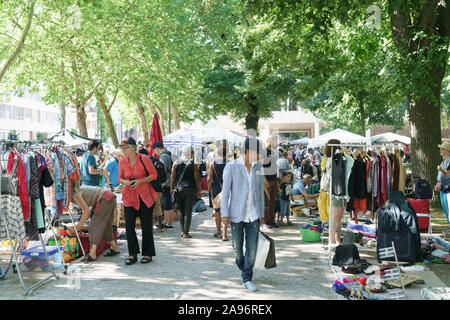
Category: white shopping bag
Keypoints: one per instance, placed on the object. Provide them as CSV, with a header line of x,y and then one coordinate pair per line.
x,y
261,251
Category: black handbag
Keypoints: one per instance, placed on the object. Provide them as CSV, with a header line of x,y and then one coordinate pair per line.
x,y
10,183
445,183
177,189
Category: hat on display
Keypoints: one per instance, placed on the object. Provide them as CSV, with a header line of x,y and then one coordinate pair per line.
x,y
128,141
445,145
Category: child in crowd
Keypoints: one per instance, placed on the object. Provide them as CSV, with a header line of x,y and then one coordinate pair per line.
x,y
286,197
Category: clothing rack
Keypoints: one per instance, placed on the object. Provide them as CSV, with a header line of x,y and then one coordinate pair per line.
x,y
15,246
333,150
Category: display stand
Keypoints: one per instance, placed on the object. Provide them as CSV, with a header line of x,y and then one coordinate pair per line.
x,y
15,256
330,246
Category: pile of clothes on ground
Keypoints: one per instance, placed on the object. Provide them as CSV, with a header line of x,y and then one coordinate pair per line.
x,y
436,250
362,280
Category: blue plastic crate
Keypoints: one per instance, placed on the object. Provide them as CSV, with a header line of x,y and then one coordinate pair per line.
x,y
38,251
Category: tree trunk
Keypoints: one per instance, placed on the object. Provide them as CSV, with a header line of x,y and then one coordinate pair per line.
x,y
62,109
81,120
363,116
160,115
252,117
431,50
176,116
112,130
141,113
21,43
169,115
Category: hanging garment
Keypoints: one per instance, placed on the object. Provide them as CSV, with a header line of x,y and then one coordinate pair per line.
x,y
27,168
58,178
369,179
388,177
323,202
73,173
377,180
34,180
375,176
22,183
338,175
349,161
31,228
358,180
68,168
49,192
402,174
12,206
383,179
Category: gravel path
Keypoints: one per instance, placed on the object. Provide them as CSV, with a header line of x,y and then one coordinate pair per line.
x,y
200,268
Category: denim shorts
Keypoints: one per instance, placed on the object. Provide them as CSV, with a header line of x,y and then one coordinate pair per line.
x,y
338,203
285,206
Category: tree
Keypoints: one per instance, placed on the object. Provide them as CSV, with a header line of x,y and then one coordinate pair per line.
x,y
421,32
420,41
10,9
41,137
239,82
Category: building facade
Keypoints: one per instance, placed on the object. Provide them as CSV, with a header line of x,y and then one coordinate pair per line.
x,y
26,116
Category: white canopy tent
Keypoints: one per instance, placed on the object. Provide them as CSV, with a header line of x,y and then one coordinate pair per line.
x,y
342,135
302,141
212,132
70,139
390,137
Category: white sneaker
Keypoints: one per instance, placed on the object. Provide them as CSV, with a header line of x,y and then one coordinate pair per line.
x,y
250,286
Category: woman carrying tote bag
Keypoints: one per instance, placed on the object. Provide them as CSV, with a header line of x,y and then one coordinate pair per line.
x,y
215,180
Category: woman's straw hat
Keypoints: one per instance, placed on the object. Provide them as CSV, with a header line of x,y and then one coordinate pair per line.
x,y
445,145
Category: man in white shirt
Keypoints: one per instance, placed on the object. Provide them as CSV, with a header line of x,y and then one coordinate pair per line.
x,y
242,206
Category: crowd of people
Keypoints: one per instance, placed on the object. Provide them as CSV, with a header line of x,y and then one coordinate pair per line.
x,y
249,186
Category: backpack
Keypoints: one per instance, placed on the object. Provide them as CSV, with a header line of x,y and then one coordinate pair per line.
x,y
423,190
161,170
168,154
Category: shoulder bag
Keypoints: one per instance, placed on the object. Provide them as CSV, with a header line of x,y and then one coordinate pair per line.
x,y
177,189
445,183
10,183
217,199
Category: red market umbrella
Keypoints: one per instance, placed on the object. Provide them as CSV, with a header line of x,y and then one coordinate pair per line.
x,y
155,136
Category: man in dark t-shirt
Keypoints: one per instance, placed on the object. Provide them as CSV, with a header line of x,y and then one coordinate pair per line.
x,y
271,185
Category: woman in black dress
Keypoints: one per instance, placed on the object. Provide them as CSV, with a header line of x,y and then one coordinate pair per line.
x,y
186,176
215,181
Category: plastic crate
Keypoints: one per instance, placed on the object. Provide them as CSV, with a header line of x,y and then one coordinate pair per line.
x,y
39,251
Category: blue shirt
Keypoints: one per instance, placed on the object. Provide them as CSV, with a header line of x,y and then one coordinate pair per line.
x,y
299,188
113,170
88,179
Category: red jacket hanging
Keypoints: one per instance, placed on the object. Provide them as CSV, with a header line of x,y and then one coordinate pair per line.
x,y
22,182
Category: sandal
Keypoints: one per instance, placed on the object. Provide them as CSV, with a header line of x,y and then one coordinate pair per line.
x,y
111,253
131,261
88,259
225,239
186,236
146,259
217,235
